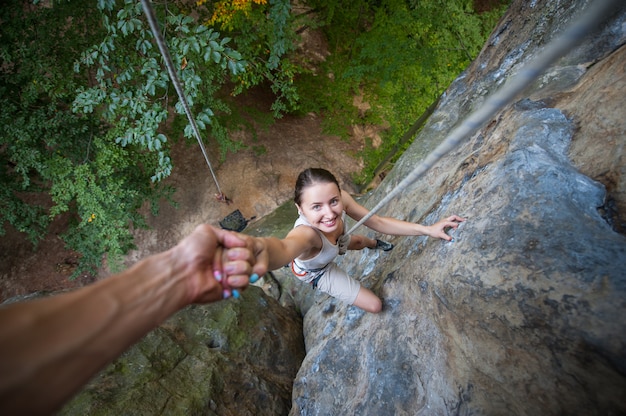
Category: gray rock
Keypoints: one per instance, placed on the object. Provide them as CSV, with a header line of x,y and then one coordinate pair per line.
x,y
524,312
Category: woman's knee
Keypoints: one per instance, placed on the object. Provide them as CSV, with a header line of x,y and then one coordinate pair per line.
x,y
375,306
368,301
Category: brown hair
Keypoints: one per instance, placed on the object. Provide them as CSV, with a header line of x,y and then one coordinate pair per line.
x,y
310,177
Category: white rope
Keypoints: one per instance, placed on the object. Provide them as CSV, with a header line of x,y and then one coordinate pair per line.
x,y
147,8
574,34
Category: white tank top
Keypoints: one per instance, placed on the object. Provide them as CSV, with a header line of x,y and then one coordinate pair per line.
x,y
326,255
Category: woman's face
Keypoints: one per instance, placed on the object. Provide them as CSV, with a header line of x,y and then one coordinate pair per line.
x,y
321,205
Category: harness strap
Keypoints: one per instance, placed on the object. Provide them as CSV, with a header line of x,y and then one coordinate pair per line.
x,y
315,281
303,272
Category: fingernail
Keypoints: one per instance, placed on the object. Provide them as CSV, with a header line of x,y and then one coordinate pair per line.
x,y
226,294
254,277
452,241
218,275
236,294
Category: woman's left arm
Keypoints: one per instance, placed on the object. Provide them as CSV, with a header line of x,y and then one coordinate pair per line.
x,y
392,226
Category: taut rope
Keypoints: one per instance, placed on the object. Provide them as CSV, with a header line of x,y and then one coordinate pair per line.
x,y
147,8
557,48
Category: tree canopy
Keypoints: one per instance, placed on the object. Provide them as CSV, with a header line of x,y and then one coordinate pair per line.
x,y
85,95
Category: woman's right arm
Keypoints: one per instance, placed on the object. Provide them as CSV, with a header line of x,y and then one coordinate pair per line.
x,y
276,253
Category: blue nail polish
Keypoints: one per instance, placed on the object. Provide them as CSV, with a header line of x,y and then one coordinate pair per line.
x,y
254,278
452,241
217,275
236,294
226,294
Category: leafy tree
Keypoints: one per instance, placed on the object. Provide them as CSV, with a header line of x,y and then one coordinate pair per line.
x,y
264,33
84,99
40,138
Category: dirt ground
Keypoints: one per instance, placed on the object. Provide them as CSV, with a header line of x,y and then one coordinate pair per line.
x,y
256,183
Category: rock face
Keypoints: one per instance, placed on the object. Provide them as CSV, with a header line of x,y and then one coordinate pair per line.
x,y
525,312
235,357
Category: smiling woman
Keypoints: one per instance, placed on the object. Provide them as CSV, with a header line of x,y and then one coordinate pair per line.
x,y
318,237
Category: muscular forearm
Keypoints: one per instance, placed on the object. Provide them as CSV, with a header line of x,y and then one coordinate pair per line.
x,y
51,347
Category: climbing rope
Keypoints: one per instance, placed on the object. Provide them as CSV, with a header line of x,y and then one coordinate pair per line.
x,y
147,8
573,35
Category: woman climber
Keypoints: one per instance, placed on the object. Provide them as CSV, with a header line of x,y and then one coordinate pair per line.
x,y
316,239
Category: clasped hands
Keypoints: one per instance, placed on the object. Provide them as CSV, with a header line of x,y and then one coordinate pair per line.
x,y
217,264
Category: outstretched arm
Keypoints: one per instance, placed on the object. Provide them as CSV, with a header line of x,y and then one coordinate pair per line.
x,y
50,347
392,226
272,253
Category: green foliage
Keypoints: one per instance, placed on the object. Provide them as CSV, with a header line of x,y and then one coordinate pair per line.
x,y
401,54
259,150
36,85
132,88
265,36
84,97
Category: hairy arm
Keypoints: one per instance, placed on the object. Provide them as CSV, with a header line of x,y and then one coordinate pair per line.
x,y
393,226
50,347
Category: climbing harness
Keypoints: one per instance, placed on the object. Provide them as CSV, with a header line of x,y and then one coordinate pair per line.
x,y
315,274
592,17
149,11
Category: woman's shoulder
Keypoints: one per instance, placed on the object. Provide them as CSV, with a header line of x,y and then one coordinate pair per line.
x,y
307,235
346,195
305,231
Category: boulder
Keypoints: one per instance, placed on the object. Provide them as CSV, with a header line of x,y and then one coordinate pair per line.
x,y
234,357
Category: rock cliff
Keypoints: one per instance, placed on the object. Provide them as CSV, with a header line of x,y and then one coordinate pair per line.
x,y
227,358
524,313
